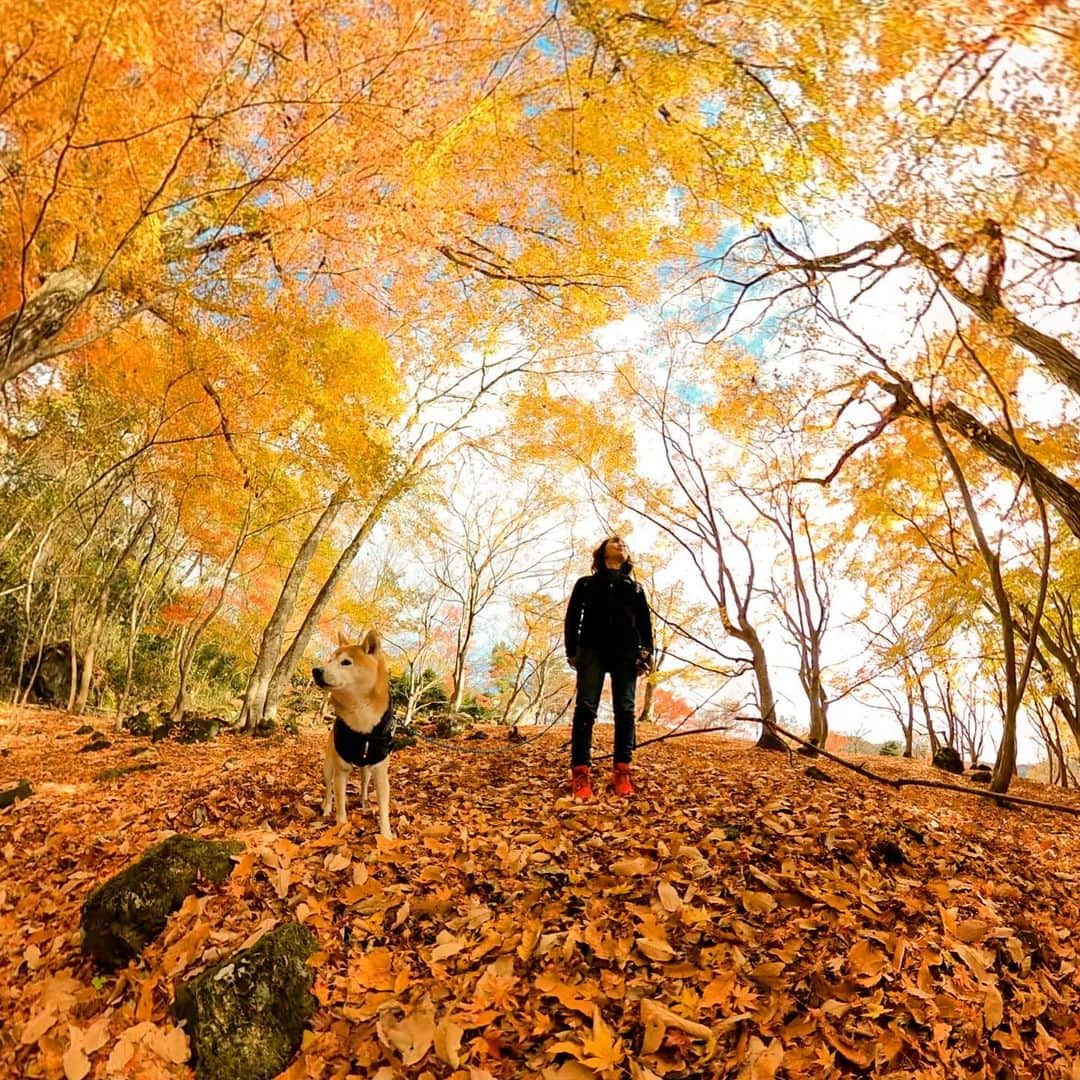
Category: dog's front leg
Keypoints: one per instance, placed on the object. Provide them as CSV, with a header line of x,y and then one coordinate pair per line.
x,y
328,781
340,776
365,777
382,791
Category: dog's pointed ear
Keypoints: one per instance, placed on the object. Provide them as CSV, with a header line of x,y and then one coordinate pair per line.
x,y
371,642
342,640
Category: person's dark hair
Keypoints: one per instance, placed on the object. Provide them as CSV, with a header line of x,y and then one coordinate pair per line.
x,y
598,557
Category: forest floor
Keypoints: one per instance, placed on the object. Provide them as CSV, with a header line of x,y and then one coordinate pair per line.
x,y
735,918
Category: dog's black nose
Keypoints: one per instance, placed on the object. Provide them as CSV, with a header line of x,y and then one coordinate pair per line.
x,y
316,674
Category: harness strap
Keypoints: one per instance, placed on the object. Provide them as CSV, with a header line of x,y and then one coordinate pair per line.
x,y
361,748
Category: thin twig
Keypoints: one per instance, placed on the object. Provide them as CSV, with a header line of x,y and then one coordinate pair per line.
x,y
669,735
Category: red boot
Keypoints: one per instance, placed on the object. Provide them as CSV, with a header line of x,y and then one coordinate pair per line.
x,y
581,782
620,780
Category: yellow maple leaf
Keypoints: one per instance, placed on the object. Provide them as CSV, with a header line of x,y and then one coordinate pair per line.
x,y
603,1049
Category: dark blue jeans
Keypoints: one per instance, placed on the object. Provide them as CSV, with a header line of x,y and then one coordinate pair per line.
x,y
591,668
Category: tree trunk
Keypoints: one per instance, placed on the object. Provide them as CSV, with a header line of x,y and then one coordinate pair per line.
x,y
189,644
819,716
909,729
25,331
87,670
768,739
647,701
100,612
73,685
515,692
464,640
251,712
133,624
1005,765
457,681
23,692
928,719
287,664
1060,361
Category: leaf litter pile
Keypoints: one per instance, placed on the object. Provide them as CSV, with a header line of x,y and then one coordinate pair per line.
x,y
738,917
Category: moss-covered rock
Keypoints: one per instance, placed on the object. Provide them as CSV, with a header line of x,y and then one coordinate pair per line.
x,y
22,790
402,739
450,725
246,1016
125,912
948,760
197,727
144,722
51,670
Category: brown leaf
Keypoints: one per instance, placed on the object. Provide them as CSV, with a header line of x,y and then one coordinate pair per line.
x,y
770,974
413,1036
860,1054
718,991
634,867
867,961
120,1056
447,1042
603,1049
757,903
448,946
76,1063
372,970
993,1008
38,1025
174,1046
568,1070
655,949
657,1018
762,1061
579,997
669,898
972,930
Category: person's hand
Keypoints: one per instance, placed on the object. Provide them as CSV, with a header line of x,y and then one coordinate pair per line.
x,y
644,663
572,661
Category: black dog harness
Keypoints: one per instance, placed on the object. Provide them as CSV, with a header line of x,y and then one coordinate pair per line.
x,y
364,748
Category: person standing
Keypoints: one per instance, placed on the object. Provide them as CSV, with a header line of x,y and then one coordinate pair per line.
x,y
608,631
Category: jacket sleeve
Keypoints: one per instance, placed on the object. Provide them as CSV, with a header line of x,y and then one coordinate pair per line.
x,y
644,621
572,624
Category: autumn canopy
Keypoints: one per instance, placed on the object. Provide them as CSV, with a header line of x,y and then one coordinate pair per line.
x,y
320,316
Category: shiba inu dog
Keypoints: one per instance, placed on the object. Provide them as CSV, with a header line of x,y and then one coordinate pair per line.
x,y
359,688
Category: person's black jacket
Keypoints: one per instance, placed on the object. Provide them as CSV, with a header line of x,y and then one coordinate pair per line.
x,y
608,612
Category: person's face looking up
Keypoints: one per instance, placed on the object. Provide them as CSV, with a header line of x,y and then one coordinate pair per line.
x,y
615,553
